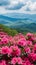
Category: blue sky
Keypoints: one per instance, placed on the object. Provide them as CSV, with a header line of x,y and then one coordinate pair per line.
x,y
18,6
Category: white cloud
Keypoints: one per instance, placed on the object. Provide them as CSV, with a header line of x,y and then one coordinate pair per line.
x,y
19,6
15,4
3,10
31,5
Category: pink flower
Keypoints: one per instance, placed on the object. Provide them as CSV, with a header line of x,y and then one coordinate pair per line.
x,y
2,63
33,56
22,42
14,61
29,43
34,48
26,62
5,50
16,51
29,34
27,50
10,39
5,40
17,60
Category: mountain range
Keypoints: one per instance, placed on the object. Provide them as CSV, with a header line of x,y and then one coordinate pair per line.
x,y
21,22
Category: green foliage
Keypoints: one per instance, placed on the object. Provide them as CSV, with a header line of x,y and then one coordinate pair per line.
x,y
13,31
8,30
24,30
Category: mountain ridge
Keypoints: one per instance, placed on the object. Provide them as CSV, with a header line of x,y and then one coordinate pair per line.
x,y
18,23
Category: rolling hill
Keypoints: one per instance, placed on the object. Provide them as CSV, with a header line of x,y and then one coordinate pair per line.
x,y
21,24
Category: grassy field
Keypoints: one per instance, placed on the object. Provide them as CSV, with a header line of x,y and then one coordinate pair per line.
x,y
8,30
11,31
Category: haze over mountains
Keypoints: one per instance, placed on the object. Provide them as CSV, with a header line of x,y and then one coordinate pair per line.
x,y
22,22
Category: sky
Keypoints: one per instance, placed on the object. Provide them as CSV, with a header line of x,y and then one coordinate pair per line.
x,y
18,6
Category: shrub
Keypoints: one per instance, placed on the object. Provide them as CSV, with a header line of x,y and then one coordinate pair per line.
x,y
17,50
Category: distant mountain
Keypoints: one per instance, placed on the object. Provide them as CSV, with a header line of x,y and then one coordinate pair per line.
x,y
31,17
21,22
26,27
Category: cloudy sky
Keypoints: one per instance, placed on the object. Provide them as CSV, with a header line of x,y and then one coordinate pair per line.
x,y
18,6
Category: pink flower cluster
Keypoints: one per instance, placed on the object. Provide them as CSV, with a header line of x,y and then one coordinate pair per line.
x,y
18,50
5,39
